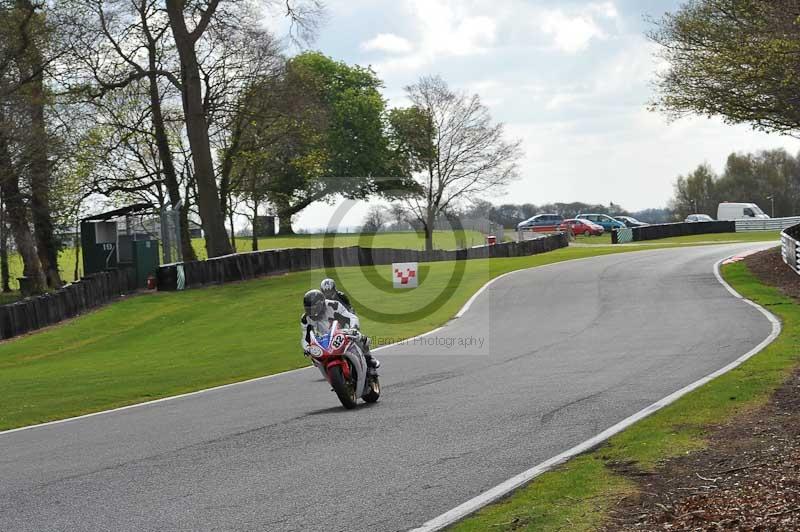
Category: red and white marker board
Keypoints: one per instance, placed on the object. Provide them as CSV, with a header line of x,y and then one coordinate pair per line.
x,y
404,274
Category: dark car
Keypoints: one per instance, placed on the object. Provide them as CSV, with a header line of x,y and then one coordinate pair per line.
x,y
541,222
630,221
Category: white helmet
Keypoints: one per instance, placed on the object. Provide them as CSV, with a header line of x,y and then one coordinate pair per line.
x,y
328,287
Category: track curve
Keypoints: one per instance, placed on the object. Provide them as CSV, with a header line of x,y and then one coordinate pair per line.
x,y
567,351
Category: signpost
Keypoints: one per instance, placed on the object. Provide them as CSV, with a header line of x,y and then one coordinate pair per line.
x,y
404,274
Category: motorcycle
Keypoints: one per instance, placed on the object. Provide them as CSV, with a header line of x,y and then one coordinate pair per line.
x,y
341,361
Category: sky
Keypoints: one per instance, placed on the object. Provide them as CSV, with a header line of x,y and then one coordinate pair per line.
x,y
571,79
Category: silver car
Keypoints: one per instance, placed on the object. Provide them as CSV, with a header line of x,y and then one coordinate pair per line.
x,y
699,218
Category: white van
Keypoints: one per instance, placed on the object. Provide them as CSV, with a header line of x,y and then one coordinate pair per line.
x,y
739,211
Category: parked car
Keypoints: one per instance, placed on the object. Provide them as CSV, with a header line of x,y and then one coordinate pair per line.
x,y
739,211
699,218
630,221
541,222
582,227
604,220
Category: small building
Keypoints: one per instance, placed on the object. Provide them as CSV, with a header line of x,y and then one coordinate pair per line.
x,y
110,243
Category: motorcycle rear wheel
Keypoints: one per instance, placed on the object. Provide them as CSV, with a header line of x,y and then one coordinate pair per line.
x,y
374,392
345,390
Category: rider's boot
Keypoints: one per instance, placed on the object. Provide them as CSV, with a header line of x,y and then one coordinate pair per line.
x,y
372,363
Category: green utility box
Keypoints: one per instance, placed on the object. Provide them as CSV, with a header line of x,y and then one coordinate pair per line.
x,y
145,260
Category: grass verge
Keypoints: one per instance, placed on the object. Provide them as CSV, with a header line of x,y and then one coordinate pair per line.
x,y
578,494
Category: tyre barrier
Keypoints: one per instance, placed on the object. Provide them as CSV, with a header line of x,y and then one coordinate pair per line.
x,y
789,247
657,231
254,264
76,298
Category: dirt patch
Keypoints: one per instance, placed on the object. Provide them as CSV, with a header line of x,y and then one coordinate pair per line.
x,y
749,476
770,269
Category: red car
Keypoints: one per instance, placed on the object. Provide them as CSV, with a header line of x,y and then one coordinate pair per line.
x,y
580,226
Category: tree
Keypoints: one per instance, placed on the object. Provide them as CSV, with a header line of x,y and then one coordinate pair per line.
x,y
374,220
398,215
452,149
17,211
766,178
312,132
737,59
5,277
186,39
696,192
32,100
196,90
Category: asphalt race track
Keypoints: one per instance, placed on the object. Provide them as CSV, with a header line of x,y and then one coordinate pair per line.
x,y
568,350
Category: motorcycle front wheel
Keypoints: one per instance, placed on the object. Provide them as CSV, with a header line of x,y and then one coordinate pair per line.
x,y
345,390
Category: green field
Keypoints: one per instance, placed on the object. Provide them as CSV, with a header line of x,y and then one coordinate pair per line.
x,y
578,495
399,240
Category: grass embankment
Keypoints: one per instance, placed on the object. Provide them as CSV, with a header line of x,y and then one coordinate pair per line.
x,y
169,343
577,495
399,240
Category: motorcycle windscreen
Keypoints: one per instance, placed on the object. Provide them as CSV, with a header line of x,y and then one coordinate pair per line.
x,y
324,341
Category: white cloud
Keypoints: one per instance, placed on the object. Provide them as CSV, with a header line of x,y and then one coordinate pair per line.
x,y
570,33
388,42
444,28
605,9
563,99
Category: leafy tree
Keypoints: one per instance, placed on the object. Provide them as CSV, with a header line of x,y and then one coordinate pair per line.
x,y
736,59
313,132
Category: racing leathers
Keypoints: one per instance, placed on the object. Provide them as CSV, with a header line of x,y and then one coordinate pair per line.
x,y
342,298
335,311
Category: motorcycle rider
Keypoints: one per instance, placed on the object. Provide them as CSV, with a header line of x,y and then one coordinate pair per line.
x,y
319,315
328,287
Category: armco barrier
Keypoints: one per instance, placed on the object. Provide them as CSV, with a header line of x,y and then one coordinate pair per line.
x,y
768,224
244,266
74,299
657,231
789,245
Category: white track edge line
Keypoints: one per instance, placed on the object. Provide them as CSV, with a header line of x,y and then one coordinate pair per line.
x,y
471,506
256,379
